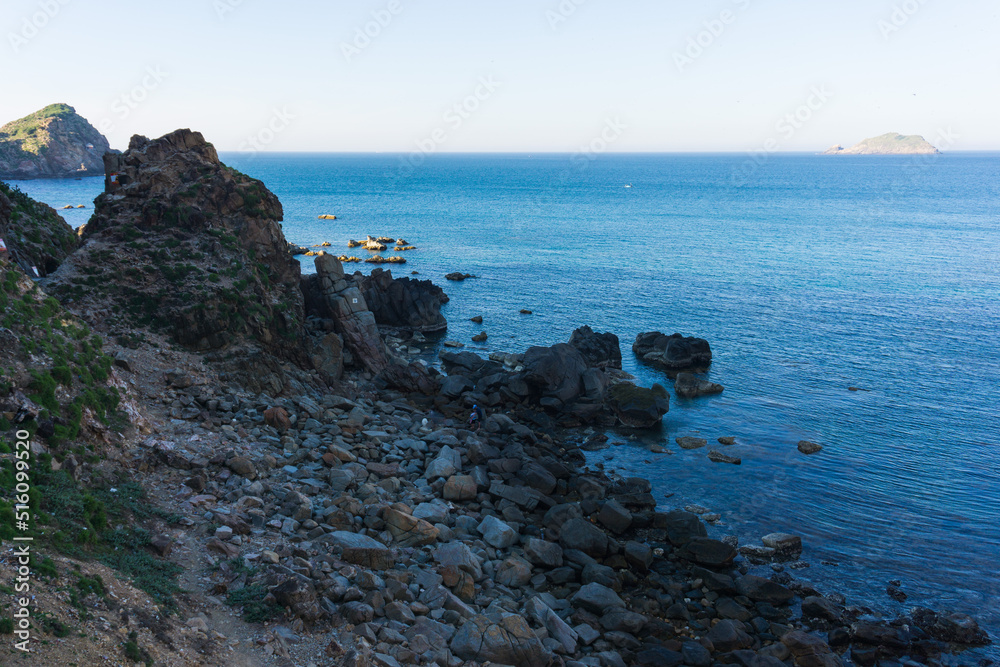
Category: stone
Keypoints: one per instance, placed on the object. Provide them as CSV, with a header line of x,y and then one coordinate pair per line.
x,y
509,641
708,552
557,628
672,353
497,533
542,552
409,531
822,608
783,543
458,555
447,463
357,613
727,440
586,537
622,620
459,487
277,418
599,350
360,549
690,442
729,635
681,526
689,385
596,598
809,650
807,447
718,457
614,517
638,555
514,572
760,589
243,467
638,407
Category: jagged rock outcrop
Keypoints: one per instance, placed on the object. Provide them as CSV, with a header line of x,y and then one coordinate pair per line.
x,y
54,142
335,303
185,245
674,352
600,350
559,378
36,237
403,303
690,385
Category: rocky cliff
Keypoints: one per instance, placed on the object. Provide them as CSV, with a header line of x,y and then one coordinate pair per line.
x,y
183,245
54,142
36,237
891,143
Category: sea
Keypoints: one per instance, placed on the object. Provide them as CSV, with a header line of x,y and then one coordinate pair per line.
x,y
807,274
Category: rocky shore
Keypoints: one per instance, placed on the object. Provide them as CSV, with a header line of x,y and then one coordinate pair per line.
x,y
328,501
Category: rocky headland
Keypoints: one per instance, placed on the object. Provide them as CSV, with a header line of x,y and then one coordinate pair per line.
x,y
54,142
253,469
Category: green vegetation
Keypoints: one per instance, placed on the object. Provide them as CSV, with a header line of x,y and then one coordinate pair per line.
x,y
255,610
134,652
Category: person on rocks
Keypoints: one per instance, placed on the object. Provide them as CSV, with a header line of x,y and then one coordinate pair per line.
x,y
476,418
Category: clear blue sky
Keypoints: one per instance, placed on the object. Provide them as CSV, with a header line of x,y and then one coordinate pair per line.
x,y
564,78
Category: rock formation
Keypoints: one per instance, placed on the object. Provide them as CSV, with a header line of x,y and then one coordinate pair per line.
x,y
599,350
404,303
37,238
672,353
689,385
54,142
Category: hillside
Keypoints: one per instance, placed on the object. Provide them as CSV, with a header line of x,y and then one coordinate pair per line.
x,y
54,142
891,143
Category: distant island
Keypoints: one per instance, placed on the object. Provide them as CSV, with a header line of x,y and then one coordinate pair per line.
x,y
54,142
891,143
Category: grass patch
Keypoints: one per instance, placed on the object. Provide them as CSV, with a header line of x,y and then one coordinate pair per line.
x,y
255,610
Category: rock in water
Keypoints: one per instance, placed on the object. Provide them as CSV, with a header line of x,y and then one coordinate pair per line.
x,y
404,303
689,385
599,350
54,142
672,353
638,407
718,457
807,447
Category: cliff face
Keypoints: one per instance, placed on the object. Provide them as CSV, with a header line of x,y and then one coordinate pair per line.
x,y
37,238
891,143
54,142
186,246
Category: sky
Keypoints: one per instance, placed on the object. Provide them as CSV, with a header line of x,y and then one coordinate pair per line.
x,y
512,75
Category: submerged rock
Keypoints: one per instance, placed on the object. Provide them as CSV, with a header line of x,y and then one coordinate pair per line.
x,y
638,407
674,352
691,386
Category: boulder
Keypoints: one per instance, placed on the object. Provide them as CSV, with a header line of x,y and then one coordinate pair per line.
x,y
509,641
760,589
408,530
404,303
708,552
584,536
598,350
672,353
807,447
638,407
514,572
497,533
689,385
729,635
681,526
809,650
596,598
544,553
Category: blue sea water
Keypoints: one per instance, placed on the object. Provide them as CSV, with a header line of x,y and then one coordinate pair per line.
x,y
807,274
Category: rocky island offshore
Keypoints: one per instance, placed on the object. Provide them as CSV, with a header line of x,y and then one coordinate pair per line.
x,y
238,464
54,142
891,143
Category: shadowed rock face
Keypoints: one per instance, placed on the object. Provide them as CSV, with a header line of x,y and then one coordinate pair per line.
x,y
187,246
35,235
404,303
601,350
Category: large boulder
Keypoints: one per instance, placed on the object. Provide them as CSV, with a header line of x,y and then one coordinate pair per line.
x,y
558,378
674,352
404,303
600,350
510,641
638,407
